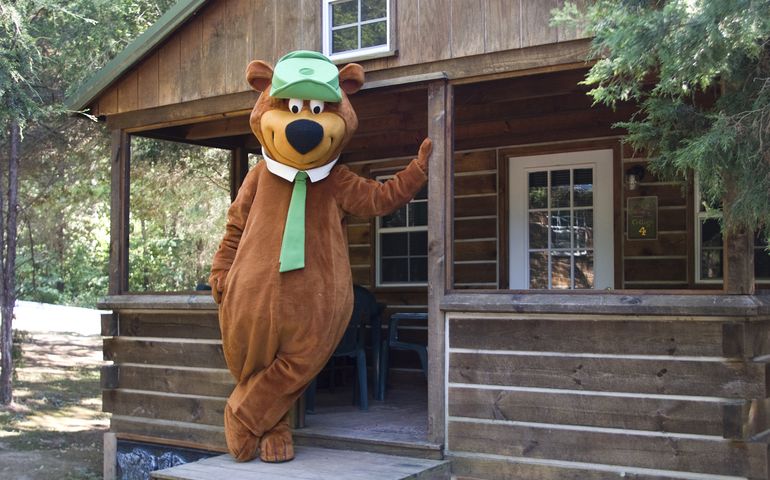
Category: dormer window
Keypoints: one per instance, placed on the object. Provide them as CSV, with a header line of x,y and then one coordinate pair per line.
x,y
357,29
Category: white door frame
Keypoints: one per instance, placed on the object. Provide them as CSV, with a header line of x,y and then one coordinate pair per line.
x,y
518,228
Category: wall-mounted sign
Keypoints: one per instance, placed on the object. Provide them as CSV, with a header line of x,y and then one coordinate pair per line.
x,y
642,214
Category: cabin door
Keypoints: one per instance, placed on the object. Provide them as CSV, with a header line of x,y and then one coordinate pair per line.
x,y
561,222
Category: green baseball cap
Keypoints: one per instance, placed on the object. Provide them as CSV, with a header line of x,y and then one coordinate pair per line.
x,y
306,75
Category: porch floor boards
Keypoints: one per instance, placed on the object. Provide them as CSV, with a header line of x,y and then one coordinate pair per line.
x,y
312,463
396,426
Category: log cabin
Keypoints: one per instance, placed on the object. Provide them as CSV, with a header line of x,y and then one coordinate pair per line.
x,y
585,319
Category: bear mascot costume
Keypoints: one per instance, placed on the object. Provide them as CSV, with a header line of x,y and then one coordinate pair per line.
x,y
281,275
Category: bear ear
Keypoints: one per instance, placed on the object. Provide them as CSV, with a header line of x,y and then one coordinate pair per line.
x,y
351,78
259,75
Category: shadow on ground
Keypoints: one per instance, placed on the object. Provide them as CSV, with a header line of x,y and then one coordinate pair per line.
x,y
54,428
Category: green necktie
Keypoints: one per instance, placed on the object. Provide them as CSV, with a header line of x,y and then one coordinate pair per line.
x,y
293,245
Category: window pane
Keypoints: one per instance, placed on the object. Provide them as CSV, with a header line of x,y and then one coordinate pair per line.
x,y
538,230
418,243
345,39
538,270
560,270
583,187
395,219
538,193
418,269
560,229
560,188
762,264
422,194
711,264
711,233
584,229
344,13
374,34
584,271
178,208
418,214
371,9
395,270
394,245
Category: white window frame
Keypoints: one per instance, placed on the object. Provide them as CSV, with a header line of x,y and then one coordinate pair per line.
x,y
601,161
699,242
361,53
378,256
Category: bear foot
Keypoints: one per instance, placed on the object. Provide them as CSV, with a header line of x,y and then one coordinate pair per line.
x,y
277,445
242,444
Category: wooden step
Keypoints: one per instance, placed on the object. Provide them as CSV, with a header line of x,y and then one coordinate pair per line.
x,y
313,463
388,443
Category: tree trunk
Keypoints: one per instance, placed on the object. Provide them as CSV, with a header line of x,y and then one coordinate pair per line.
x,y
9,267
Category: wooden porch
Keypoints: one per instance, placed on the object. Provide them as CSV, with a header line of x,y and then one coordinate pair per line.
x,y
313,463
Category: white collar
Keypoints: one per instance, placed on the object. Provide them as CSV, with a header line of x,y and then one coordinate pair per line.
x,y
288,173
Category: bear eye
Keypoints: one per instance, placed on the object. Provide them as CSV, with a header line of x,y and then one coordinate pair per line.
x,y
316,106
295,105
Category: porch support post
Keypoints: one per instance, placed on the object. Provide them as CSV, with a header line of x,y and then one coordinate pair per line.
x,y
738,254
239,167
121,154
440,206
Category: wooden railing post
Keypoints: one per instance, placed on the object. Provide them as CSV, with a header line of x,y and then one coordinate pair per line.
x,y
440,205
738,255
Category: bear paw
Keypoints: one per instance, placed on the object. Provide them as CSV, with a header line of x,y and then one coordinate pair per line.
x,y
242,444
277,445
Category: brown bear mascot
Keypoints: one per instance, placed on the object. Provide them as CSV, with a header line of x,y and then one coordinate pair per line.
x,y
282,275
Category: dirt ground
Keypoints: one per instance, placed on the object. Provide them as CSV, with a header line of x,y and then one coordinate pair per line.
x,y
54,428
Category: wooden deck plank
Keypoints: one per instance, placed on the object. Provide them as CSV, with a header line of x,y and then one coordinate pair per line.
x,y
312,463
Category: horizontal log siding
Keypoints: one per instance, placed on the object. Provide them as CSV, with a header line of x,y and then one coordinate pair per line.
x,y
207,56
581,396
662,262
168,382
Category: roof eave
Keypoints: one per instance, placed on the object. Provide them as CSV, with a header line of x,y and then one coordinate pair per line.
x,y
133,53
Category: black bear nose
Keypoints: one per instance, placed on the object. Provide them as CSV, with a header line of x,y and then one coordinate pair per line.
x,y
304,135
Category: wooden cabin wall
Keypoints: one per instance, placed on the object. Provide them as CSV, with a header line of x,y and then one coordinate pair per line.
x,y
667,261
168,383
605,396
207,56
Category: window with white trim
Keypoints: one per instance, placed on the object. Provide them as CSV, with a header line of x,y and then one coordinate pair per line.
x,y
402,243
709,246
356,28
561,224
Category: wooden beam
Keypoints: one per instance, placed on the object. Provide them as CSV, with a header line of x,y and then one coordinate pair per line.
x,y
228,127
440,190
738,255
121,154
186,112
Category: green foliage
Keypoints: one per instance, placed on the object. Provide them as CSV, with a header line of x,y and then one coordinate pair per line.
x,y
700,71
179,198
47,48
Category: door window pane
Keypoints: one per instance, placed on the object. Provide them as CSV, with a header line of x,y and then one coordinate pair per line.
x,y
560,270
538,270
560,188
584,271
583,187
538,190
538,230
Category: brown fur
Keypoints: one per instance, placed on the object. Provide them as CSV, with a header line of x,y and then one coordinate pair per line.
x,y
279,329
